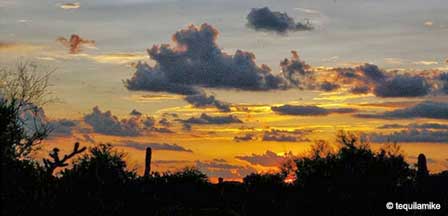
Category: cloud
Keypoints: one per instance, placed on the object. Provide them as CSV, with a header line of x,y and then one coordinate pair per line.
x,y
202,100
75,43
220,168
297,72
329,86
426,109
18,47
263,19
444,78
106,123
309,110
245,138
286,136
135,125
135,112
412,135
62,127
369,78
269,159
197,61
415,126
154,146
70,6
86,138
118,58
426,63
403,86
207,119
428,23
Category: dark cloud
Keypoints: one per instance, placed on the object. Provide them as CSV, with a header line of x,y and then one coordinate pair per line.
x,y
149,122
297,72
170,161
134,112
154,146
75,43
329,86
106,123
444,78
412,135
416,126
165,122
309,110
161,130
266,20
403,86
245,137
427,109
360,90
62,127
269,159
197,61
285,136
202,100
369,78
207,119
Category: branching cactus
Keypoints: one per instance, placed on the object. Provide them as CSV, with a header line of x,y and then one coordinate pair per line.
x,y
55,162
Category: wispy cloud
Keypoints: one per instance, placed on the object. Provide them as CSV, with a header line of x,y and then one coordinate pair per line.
x,y
70,6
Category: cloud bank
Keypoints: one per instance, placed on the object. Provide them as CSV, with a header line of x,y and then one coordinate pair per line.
x,y
308,110
426,109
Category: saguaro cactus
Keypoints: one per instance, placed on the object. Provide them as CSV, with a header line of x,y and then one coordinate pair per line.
x,y
55,161
148,161
422,167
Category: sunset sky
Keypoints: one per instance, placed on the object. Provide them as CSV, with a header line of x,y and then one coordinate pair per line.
x,y
233,87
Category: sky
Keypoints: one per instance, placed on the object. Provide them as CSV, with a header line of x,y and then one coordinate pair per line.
x,y
233,87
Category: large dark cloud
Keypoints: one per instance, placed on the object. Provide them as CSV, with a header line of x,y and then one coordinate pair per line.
x,y
154,146
309,110
194,61
197,60
266,20
269,159
427,109
207,119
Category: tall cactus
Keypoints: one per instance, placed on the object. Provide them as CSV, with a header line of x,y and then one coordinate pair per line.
x,y
148,161
422,169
